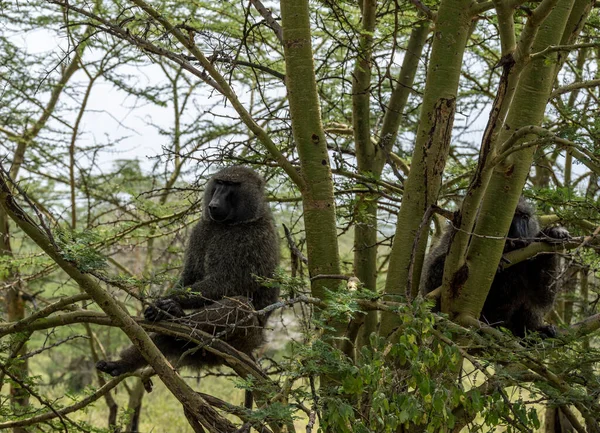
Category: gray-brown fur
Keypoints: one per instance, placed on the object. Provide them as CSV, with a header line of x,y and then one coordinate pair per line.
x,y
235,242
521,295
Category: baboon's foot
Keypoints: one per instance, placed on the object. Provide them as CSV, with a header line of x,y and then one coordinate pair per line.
x,y
114,368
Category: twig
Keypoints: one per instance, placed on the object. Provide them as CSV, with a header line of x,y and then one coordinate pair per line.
x,y
311,421
56,306
292,245
58,343
36,396
330,277
41,219
423,8
67,410
269,19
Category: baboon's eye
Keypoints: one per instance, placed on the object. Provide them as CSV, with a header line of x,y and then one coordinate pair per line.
x,y
227,182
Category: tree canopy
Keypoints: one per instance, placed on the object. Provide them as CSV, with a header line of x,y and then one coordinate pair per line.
x,y
377,126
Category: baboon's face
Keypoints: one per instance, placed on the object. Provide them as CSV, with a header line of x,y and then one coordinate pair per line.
x,y
519,227
225,198
234,195
524,223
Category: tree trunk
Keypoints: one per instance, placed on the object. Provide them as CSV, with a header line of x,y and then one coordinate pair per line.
x,y
15,307
556,422
508,177
365,235
317,189
431,150
365,211
135,406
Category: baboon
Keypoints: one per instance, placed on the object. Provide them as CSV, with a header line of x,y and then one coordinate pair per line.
x,y
234,243
521,295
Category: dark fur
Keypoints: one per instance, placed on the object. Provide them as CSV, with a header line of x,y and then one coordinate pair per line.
x,y
234,242
520,296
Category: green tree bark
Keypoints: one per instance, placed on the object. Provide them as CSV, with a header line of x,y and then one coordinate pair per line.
x,y
431,148
508,177
365,214
372,161
515,56
317,189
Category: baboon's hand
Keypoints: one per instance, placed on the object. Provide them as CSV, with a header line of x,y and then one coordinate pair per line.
x,y
163,309
556,233
547,331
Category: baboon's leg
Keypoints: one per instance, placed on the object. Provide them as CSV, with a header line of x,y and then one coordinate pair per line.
x,y
248,399
131,359
230,318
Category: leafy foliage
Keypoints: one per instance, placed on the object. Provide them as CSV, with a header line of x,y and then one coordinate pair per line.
x,y
79,247
111,126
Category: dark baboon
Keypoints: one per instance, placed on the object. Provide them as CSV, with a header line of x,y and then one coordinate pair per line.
x,y
234,243
521,295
